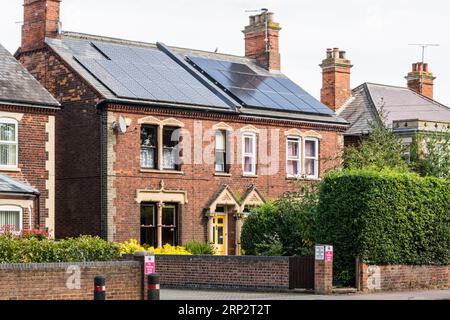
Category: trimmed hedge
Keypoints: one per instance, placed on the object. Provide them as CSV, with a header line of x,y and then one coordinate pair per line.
x,y
383,218
84,248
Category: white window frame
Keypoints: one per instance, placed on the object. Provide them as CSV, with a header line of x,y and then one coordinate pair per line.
x,y
16,142
15,209
316,158
253,136
299,159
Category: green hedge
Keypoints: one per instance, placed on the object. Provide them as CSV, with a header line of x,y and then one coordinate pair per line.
x,y
384,218
84,248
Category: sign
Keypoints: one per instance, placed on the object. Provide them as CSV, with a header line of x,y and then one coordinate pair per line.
x,y
329,253
320,253
149,265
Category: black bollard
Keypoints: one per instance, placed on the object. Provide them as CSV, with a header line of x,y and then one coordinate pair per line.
x,y
99,288
153,287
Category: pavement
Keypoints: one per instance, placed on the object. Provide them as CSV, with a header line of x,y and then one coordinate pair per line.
x,y
171,294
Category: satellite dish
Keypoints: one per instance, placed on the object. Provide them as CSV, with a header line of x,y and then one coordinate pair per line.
x,y
120,126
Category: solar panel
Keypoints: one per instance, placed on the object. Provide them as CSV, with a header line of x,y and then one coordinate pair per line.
x,y
258,90
147,74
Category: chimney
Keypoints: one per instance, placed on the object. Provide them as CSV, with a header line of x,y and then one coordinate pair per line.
x,y
41,19
335,79
421,80
261,40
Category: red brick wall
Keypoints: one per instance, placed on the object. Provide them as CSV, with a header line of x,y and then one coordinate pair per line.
x,y
403,277
252,273
48,281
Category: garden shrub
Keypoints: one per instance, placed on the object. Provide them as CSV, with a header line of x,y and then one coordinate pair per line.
x,y
197,247
383,217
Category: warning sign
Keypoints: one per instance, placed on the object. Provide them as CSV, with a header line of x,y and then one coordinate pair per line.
x,y
149,265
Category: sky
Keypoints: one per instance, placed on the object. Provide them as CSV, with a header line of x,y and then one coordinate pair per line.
x,y
375,33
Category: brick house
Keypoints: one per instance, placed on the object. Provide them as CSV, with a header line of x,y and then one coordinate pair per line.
x,y
409,111
27,153
167,144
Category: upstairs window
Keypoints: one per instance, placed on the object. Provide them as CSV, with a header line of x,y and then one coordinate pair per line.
x,y
311,162
170,148
8,143
293,156
249,153
221,153
149,147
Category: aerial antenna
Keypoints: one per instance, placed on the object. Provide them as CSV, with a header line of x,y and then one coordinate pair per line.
x,y
423,46
266,22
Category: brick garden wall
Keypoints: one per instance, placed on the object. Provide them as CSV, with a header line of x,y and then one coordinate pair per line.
x,y
403,277
231,272
47,281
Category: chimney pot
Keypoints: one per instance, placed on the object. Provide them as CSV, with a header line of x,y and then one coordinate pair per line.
x,y
342,54
421,80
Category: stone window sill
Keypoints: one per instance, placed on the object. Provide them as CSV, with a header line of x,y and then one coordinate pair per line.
x,y
250,176
222,174
161,171
6,169
303,179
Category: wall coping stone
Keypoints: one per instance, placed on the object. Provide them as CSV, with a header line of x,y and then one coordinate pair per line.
x,y
63,265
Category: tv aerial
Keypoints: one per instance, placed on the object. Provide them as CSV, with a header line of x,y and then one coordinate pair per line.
x,y
120,126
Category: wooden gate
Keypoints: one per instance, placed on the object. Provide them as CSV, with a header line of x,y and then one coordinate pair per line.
x,y
301,272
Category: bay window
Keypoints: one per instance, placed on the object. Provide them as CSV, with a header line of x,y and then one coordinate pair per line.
x,y
8,143
10,218
249,153
311,159
293,166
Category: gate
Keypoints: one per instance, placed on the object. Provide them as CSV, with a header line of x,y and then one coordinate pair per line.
x,y
301,272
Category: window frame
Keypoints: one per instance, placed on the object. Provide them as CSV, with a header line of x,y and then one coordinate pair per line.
x,y
299,159
316,158
13,208
224,151
176,147
16,142
155,148
253,136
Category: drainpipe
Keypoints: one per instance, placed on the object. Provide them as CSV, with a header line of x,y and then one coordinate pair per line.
x,y
38,210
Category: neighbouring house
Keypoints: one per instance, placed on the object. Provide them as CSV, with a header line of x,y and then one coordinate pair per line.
x,y
408,111
168,145
27,149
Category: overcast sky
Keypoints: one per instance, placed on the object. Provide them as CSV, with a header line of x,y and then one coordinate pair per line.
x,y
375,33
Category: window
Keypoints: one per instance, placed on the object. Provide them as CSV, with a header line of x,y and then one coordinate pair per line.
x,y
148,224
293,156
249,153
8,143
311,162
10,218
221,154
169,225
149,147
170,148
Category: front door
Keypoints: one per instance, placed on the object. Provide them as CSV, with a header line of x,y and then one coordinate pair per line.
x,y
220,235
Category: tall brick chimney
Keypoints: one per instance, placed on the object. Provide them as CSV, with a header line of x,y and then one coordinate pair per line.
x,y
421,80
335,79
41,19
261,40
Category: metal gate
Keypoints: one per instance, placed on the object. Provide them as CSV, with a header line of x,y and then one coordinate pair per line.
x,y
301,272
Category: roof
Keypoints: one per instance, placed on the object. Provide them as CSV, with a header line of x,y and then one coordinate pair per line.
x,y
18,86
90,56
398,103
10,185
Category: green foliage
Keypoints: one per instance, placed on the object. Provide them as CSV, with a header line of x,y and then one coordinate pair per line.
x,y
197,247
284,227
34,250
431,154
383,217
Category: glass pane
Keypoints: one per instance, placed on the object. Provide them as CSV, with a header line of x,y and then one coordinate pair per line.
x,y
10,220
148,157
169,158
148,236
310,165
168,216
170,137
310,148
7,132
220,161
293,148
220,140
168,236
148,136
220,235
293,167
248,145
8,154
148,215
248,165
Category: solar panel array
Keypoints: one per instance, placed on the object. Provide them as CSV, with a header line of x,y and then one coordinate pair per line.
x,y
147,74
260,91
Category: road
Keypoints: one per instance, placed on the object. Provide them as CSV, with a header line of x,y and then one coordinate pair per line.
x,y
169,294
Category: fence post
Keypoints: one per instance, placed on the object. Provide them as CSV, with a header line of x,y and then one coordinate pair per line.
x,y
153,282
323,269
99,287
